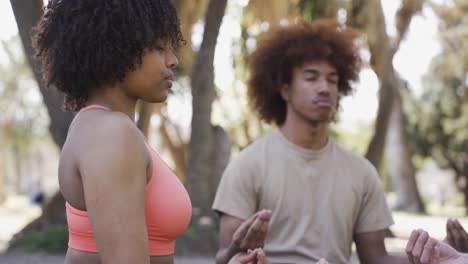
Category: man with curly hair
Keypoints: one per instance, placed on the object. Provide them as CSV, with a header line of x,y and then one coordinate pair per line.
x,y
322,196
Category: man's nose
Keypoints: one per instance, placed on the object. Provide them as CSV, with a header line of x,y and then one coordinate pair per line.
x,y
323,86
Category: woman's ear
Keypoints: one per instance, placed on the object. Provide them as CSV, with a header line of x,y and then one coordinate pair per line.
x,y
284,92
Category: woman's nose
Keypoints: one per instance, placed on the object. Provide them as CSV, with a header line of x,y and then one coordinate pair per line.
x,y
172,60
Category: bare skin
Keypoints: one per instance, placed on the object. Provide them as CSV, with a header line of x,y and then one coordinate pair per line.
x,y
456,236
311,100
423,249
256,256
238,236
105,166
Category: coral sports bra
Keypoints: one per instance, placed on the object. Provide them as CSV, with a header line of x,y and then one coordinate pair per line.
x,y
168,211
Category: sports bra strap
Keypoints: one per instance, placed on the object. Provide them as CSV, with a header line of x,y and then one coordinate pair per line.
x,y
94,106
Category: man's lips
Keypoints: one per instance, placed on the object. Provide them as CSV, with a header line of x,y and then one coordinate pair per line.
x,y
322,101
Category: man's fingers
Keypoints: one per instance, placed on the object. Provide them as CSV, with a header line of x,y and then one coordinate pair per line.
x,y
460,227
255,236
261,257
265,215
457,237
241,232
463,236
419,246
411,243
449,227
249,258
263,232
255,230
428,251
436,258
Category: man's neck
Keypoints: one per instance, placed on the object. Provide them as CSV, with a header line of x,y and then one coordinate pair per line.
x,y
306,135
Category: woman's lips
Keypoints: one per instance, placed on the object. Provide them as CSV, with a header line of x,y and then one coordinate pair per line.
x,y
170,79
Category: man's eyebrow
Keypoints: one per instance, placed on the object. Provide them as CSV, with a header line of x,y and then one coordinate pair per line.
x,y
309,70
315,71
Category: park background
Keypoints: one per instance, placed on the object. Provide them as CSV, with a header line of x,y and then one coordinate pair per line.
x,y
408,114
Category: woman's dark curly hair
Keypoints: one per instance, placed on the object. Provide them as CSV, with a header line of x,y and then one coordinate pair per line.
x,y
85,44
283,48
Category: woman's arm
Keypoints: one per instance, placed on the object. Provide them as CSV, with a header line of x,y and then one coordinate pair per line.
x,y
113,171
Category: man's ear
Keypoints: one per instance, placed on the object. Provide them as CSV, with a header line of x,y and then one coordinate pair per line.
x,y
284,92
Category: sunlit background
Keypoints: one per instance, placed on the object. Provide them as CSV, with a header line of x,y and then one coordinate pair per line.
x,y
29,156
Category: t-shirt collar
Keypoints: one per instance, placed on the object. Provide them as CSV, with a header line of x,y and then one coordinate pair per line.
x,y
308,154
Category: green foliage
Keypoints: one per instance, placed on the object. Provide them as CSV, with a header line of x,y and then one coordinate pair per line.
x,y
439,119
23,115
52,240
198,239
313,9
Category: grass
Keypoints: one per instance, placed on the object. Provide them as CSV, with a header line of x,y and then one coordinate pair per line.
x,y
52,240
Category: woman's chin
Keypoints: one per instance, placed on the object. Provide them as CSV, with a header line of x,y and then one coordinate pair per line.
x,y
160,98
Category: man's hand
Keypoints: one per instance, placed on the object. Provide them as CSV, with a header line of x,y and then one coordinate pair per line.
x,y
456,235
251,233
256,256
237,236
422,249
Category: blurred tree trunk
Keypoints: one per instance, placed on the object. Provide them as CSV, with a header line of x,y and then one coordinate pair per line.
x,y
145,110
205,158
18,159
401,168
189,12
368,15
2,178
27,14
177,146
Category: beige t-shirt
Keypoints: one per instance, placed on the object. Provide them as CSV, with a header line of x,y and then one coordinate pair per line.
x,y
319,199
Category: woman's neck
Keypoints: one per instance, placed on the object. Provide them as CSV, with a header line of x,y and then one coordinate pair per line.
x,y
114,99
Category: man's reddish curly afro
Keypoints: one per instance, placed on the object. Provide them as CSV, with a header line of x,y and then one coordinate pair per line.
x,y
283,48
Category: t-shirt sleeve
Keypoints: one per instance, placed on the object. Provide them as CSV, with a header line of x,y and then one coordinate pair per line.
x,y
236,194
374,213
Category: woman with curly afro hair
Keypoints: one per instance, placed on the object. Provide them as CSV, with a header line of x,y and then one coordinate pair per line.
x,y
123,203
322,196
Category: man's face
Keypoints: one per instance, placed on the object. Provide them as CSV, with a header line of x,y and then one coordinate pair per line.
x,y
312,94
